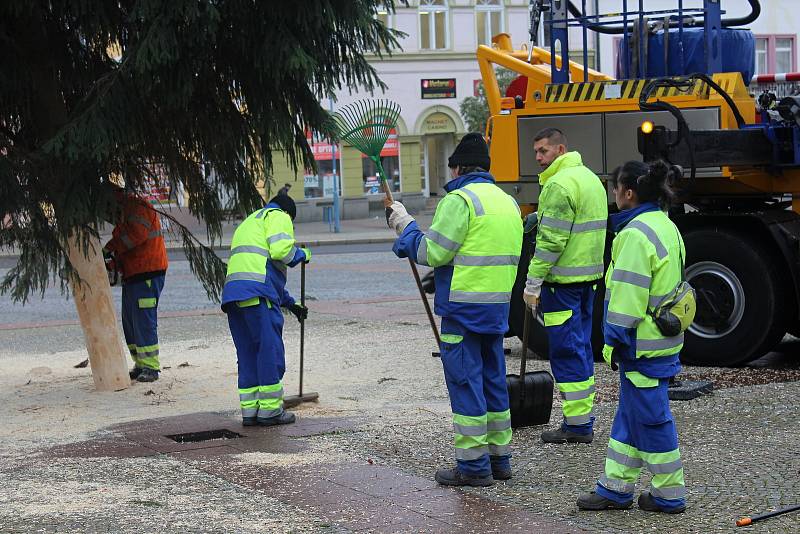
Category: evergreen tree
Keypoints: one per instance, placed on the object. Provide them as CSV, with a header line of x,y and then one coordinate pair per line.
x,y
92,90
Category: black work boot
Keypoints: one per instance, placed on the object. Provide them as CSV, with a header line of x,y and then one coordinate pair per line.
x,y
595,502
499,472
648,504
562,435
135,372
285,418
147,375
454,477
249,421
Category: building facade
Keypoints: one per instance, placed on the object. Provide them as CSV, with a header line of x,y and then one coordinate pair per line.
x,y
432,74
437,68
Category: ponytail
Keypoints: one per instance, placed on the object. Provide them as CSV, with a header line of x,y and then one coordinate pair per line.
x,y
651,183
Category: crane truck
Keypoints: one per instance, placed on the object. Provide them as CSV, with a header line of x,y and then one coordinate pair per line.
x,y
681,97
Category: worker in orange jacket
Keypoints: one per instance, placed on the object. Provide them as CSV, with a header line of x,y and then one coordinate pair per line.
x,y
137,247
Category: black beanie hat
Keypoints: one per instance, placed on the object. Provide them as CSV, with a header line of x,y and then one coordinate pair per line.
x,y
285,203
471,151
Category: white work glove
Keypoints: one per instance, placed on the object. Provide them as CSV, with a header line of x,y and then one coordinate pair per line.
x,y
397,217
533,288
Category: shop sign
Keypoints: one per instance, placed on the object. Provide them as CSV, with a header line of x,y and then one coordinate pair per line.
x,y
320,147
438,123
310,181
438,88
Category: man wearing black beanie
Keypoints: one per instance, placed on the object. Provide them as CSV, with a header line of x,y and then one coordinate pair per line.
x,y
473,244
286,203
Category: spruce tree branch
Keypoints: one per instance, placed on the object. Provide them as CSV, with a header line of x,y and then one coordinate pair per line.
x,y
9,134
209,268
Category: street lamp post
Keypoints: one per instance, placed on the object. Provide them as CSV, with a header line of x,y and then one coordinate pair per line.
x,y
336,228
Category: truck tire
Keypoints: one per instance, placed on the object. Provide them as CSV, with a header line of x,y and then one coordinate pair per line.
x,y
741,299
537,337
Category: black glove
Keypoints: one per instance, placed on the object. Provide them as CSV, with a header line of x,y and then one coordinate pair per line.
x,y
301,312
615,357
428,283
530,222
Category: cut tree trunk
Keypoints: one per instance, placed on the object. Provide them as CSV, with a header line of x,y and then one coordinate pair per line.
x,y
98,319
38,40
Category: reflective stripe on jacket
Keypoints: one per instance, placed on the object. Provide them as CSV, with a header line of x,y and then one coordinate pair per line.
x,y
645,268
137,241
474,245
263,247
573,214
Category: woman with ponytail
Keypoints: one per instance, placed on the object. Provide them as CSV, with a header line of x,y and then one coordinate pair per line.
x,y
646,268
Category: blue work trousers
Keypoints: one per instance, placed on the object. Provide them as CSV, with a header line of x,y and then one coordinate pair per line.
x,y
140,320
257,333
643,435
475,373
567,312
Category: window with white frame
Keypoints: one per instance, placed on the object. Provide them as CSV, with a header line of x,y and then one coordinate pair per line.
x,y
488,20
434,31
384,15
775,54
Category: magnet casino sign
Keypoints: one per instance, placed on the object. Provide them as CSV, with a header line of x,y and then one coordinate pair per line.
x,y
437,123
438,88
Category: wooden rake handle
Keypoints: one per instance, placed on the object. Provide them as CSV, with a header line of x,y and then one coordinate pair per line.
x,y
390,198
386,190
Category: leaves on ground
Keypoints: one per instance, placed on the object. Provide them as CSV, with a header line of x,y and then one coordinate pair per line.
x,y
146,502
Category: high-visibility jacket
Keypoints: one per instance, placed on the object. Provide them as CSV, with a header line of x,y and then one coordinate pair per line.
x,y
137,242
263,247
573,214
646,266
474,244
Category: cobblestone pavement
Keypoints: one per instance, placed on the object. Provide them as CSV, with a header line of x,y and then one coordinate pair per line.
x,y
738,447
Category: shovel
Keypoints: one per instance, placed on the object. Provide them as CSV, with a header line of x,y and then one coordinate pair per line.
x,y
530,395
294,400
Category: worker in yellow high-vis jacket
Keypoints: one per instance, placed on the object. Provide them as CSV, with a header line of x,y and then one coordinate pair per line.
x,y
647,262
262,250
473,244
563,276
